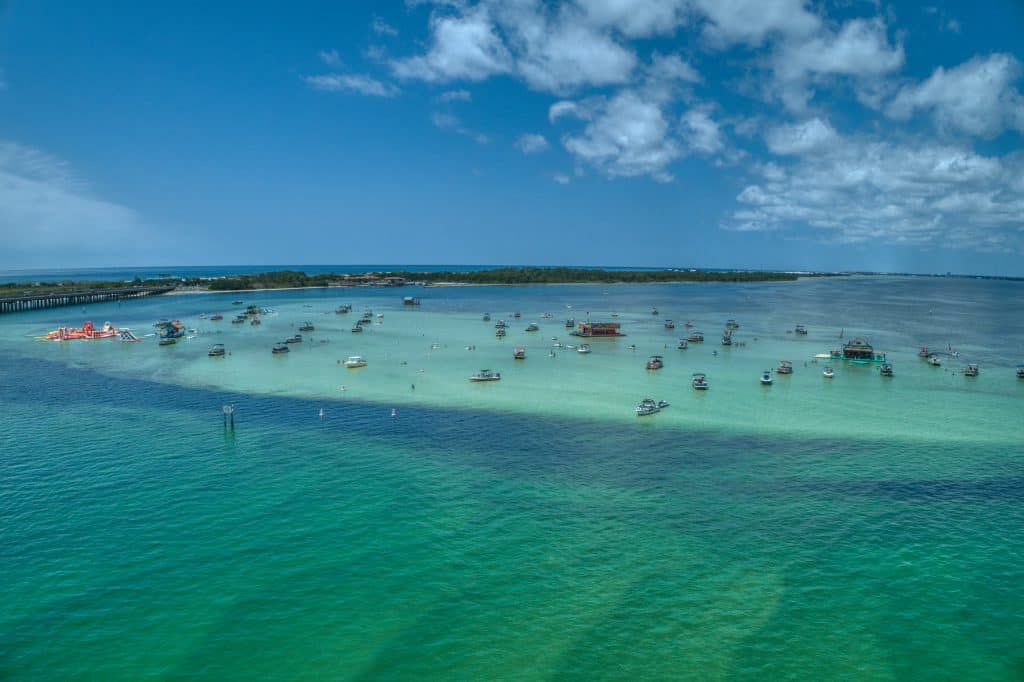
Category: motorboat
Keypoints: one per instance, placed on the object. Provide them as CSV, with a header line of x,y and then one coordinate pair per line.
x,y
357,329
1020,371
306,327
236,302
519,353
355,361
922,352
662,404
486,375
646,407
828,372
885,370
500,324
732,324
583,348
252,310
256,321
217,350
688,324
682,345
700,381
727,337
570,323
971,370
766,378
168,341
239,319
655,362
532,327
216,317
934,361
669,324
280,348
500,332
295,338
785,367
487,317
516,315
695,337
343,309
800,330
654,311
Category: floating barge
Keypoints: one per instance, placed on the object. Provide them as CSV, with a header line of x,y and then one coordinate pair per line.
x,y
597,330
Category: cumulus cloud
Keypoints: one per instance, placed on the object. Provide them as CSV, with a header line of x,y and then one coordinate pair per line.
x,y
911,193
45,208
561,178
464,45
752,21
859,50
636,18
339,82
701,132
455,96
330,58
531,143
801,138
976,97
383,28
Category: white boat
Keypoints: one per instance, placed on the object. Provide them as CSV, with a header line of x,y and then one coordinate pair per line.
x,y
766,378
971,370
355,361
700,381
646,407
682,345
828,372
486,375
583,348
934,361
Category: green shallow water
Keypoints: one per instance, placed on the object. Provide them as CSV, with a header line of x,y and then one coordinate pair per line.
x,y
533,529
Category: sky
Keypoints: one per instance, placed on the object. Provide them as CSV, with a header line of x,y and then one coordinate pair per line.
x,y
764,134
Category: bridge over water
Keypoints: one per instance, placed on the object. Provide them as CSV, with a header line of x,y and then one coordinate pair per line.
x,y
56,299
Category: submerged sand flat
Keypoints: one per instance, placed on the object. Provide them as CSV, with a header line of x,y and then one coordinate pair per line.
x,y
436,346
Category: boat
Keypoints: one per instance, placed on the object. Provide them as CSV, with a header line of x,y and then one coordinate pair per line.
x,y
500,324
695,337
217,350
410,300
971,370
662,404
785,367
688,324
516,315
800,330
934,361
487,317
368,316
645,407
306,327
922,352
655,362
700,381
255,321
1020,371
597,330
343,309
357,329
238,319
252,310
486,375
236,302
885,370
168,341
682,345
295,338
669,324
532,327
519,353
570,323
727,337
654,311
828,372
732,324
355,361
499,332
280,348
583,348
766,378
216,317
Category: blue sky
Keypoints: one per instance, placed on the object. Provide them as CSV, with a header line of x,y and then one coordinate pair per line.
x,y
715,133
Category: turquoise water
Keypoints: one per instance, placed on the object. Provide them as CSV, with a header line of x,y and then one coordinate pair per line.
x,y
531,528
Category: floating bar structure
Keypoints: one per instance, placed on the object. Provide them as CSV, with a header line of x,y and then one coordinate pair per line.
x,y
57,299
597,329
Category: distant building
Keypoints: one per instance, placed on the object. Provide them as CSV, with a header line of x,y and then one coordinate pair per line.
x,y
858,349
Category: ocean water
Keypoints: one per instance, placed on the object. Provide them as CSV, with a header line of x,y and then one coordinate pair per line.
x,y
530,528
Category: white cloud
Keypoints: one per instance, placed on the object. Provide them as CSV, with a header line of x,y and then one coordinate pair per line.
x,y
871,190
455,96
975,97
44,208
672,68
625,136
364,85
636,18
446,121
801,138
531,143
701,132
463,46
330,58
751,21
382,28
561,178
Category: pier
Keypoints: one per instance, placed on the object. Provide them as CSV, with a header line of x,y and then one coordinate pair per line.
x,y
56,299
